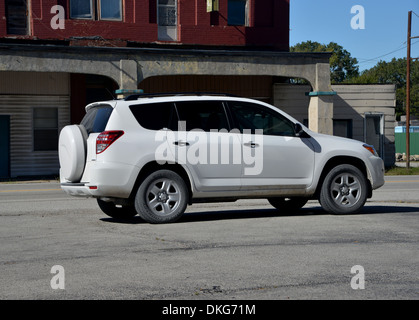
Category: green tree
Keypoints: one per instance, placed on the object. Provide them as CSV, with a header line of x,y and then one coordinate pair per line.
x,y
395,72
343,67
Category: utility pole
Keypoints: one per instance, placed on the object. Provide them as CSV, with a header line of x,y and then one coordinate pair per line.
x,y
409,30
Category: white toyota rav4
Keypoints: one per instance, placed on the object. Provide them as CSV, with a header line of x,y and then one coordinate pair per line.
x,y
152,155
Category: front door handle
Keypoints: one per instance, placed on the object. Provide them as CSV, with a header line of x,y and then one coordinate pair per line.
x,y
181,143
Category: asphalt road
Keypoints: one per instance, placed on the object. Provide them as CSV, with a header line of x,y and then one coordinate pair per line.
x,y
242,250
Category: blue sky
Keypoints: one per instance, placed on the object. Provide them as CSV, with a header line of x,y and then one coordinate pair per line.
x,y
384,36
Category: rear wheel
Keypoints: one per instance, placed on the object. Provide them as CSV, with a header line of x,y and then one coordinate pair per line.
x,y
162,197
116,211
288,204
344,190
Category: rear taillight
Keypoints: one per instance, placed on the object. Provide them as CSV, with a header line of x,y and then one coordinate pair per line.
x,y
105,139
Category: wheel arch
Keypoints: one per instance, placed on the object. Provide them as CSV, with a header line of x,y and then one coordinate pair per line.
x,y
338,160
153,166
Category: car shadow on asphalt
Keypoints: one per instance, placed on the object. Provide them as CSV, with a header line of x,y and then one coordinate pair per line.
x,y
214,215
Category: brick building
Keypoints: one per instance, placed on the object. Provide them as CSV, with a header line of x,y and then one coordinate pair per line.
x,y
245,23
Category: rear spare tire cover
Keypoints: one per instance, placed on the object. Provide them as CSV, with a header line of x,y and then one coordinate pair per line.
x,y
72,152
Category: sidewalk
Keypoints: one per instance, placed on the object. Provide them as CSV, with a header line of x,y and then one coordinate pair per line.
x,y
402,164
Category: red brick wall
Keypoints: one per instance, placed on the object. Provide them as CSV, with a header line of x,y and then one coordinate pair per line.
x,y
269,24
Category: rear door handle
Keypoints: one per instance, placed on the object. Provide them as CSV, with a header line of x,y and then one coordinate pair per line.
x,y
251,144
181,143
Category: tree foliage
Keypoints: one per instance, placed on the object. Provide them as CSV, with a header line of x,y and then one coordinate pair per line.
x,y
395,72
342,66
345,69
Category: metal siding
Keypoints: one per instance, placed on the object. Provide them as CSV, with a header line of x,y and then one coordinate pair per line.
x,y
23,160
34,83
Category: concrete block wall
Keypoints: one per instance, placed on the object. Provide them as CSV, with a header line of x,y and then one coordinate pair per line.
x,y
351,102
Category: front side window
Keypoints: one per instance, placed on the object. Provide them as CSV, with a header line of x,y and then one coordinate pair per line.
x,y
203,115
45,129
249,116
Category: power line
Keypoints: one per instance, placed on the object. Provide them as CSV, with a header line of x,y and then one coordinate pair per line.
x,y
384,55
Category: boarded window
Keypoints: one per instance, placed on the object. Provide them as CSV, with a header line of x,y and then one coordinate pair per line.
x,y
342,128
45,129
16,17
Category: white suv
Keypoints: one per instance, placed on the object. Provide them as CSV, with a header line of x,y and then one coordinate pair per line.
x,y
153,155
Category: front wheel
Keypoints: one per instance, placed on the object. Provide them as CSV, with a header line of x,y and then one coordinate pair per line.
x,y
162,197
344,190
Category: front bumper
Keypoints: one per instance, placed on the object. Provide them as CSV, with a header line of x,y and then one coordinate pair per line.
x,y
376,172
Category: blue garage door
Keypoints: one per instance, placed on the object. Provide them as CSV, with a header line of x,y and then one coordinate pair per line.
x,y
4,146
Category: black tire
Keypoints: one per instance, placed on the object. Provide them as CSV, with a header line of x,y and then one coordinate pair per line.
x,y
344,190
117,212
162,197
288,204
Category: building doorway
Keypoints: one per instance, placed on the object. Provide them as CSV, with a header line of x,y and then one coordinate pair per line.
x,y
374,131
4,146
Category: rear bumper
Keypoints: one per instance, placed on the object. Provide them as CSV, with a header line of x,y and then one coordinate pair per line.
x,y
114,180
77,189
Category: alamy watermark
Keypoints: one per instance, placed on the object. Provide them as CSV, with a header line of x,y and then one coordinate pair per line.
x,y
215,147
358,280
58,280
58,20
358,20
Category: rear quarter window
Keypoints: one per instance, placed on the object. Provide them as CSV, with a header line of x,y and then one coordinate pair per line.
x,y
96,118
155,116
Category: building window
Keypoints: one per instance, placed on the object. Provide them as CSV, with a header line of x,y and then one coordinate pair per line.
x,y
110,9
17,15
342,128
167,20
45,129
238,13
81,9
96,9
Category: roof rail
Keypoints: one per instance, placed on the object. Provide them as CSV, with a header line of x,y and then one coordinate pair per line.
x,y
166,94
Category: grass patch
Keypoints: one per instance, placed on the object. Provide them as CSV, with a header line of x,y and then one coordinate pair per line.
x,y
400,171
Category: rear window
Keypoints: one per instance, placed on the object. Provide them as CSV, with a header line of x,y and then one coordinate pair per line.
x,y
203,115
155,116
96,118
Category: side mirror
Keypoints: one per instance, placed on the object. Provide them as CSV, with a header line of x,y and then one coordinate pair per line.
x,y
299,131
